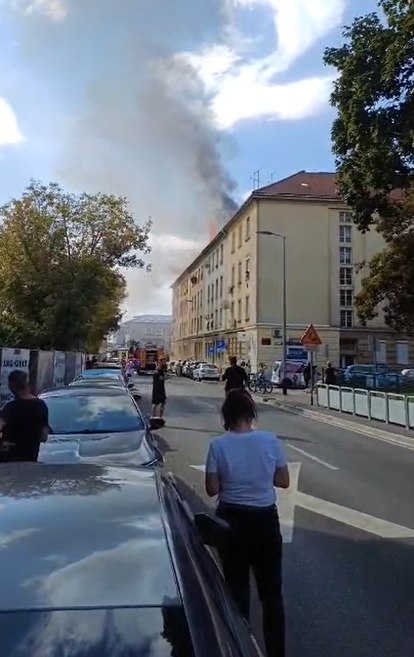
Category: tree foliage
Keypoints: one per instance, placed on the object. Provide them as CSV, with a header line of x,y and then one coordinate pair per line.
x,y
61,261
373,143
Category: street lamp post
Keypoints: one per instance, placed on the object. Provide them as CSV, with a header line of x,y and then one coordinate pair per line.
x,y
271,233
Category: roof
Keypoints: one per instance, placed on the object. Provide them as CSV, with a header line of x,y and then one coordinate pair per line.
x,y
148,319
81,535
303,185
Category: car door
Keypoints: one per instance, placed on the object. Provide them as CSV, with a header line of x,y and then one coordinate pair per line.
x,y
209,595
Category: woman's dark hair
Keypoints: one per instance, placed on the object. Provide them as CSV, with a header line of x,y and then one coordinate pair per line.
x,y
238,407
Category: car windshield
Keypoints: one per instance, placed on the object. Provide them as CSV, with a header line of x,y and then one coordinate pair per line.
x,y
109,373
92,413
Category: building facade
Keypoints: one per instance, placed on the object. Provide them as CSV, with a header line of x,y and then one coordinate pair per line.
x,y
145,328
239,278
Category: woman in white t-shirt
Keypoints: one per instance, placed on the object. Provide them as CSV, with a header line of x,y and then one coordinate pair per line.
x,y
243,467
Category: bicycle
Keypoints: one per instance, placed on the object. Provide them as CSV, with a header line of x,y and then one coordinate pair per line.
x,y
258,383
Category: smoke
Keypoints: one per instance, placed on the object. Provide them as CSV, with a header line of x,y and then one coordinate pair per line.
x,y
136,118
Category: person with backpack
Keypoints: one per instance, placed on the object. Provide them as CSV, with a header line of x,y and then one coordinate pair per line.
x,y
234,376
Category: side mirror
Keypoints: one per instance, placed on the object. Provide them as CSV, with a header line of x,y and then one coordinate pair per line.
x,y
137,397
130,386
155,423
212,531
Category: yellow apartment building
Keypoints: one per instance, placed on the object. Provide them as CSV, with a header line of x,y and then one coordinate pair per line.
x,y
229,300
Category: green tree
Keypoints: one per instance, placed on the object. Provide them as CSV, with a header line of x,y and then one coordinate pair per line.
x,y
373,143
61,262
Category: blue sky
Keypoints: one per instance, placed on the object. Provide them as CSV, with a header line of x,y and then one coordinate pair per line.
x,y
238,85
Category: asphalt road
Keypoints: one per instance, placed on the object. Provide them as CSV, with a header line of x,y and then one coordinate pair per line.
x,y
349,592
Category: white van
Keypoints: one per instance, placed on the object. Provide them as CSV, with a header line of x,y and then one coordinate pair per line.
x,y
294,372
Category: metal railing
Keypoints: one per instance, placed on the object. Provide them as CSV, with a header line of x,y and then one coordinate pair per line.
x,y
387,407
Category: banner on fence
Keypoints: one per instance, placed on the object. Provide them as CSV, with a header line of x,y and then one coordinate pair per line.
x,y
11,359
59,369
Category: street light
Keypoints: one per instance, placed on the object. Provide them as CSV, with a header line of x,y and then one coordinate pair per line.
x,y
271,233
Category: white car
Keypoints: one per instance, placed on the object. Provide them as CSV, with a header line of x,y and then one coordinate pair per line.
x,y
206,372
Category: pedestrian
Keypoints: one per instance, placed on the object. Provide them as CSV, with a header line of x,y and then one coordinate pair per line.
x,y
23,421
330,374
159,396
307,375
243,467
234,376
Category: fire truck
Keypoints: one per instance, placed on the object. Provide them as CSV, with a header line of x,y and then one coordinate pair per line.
x,y
148,355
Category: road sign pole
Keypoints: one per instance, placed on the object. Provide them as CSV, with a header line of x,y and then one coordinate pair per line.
x,y
312,375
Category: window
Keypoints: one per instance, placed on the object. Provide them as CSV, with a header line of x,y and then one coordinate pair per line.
x,y
345,218
239,273
208,293
402,353
217,288
345,255
345,234
221,317
240,240
159,331
381,351
215,319
346,298
247,272
232,312
345,276
247,228
239,309
233,275
221,287
233,242
266,342
247,307
149,330
347,318
221,254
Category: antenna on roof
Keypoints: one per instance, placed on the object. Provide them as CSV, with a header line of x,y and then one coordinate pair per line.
x,y
272,175
256,178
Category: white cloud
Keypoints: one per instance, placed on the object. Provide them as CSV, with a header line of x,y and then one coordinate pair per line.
x,y
246,88
55,10
9,129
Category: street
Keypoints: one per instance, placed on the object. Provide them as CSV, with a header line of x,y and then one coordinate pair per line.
x,y
348,523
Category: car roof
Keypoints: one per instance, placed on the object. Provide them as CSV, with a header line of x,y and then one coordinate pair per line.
x,y
79,535
77,391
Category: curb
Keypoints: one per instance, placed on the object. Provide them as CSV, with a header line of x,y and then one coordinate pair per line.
x,y
342,423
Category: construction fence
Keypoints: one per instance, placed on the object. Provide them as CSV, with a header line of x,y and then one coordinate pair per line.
x,y
46,369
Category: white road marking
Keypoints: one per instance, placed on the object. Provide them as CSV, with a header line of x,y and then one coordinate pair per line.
x,y
287,502
353,518
291,498
311,456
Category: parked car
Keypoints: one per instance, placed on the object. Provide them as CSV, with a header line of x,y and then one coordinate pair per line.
x,y
109,561
371,376
102,382
294,374
206,372
98,423
171,366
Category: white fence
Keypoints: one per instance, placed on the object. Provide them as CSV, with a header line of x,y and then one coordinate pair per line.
x,y
385,407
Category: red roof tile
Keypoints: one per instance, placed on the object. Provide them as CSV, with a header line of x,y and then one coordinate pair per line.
x,y
303,184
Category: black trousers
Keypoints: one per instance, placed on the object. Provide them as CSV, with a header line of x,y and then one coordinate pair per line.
x,y
255,543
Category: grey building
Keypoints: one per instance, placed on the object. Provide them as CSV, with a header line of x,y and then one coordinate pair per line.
x,y
145,328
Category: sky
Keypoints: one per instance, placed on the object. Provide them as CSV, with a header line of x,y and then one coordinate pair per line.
x,y
176,110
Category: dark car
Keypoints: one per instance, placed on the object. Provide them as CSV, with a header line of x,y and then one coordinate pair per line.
x,y
107,562
98,423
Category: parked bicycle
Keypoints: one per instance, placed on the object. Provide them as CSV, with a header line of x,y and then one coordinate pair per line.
x,y
258,383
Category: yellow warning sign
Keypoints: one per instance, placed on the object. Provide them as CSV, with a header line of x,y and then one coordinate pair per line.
x,y
310,338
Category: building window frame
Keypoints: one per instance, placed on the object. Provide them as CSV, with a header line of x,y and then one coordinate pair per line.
x,y
345,234
346,276
346,318
345,217
346,298
345,255
247,229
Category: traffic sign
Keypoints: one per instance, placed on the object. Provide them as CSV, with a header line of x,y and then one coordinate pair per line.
x,y
310,339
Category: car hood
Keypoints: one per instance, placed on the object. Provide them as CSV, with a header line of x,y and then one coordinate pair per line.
x,y
134,447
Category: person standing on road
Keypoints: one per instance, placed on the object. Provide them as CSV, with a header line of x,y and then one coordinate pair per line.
x,y
243,467
23,421
234,376
159,396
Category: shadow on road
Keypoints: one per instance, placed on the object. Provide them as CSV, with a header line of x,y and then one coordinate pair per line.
x,y
194,430
163,445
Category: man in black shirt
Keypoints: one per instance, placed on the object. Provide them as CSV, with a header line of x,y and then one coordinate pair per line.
x,y
23,422
159,396
234,376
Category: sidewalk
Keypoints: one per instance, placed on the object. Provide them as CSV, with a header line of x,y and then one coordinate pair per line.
x,y
299,402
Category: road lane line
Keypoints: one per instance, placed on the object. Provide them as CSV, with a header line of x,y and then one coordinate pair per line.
x,y
311,456
353,518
